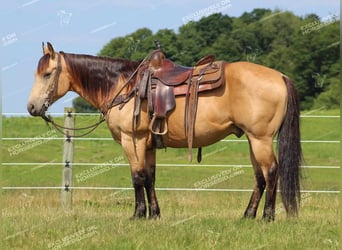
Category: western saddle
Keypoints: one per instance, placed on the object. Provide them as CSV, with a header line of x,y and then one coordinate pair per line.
x,y
162,80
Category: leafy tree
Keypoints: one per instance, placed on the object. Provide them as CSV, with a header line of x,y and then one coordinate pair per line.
x,y
254,16
115,48
82,106
139,43
226,48
276,39
168,41
329,99
314,52
132,46
190,44
213,26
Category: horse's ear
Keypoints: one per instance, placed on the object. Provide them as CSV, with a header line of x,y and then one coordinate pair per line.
x,y
45,49
48,50
51,50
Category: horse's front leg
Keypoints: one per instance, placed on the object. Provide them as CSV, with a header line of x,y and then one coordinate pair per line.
x,y
150,166
136,160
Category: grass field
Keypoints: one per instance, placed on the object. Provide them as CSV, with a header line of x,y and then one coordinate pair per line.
x,y
99,219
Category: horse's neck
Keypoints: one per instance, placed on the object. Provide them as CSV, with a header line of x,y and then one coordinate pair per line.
x,y
93,78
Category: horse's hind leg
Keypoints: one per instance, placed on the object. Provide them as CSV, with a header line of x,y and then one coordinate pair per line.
x,y
271,191
150,167
259,188
265,168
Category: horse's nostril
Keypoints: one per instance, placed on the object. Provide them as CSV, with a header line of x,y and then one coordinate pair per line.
x,y
30,108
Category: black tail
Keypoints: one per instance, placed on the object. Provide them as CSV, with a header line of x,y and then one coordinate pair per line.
x,y
290,152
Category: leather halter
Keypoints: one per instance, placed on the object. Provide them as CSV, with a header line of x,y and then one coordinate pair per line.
x,y
52,91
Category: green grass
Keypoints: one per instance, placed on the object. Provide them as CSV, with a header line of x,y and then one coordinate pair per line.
x,y
99,219
190,220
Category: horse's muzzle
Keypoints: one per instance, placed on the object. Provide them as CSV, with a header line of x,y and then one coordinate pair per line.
x,y
32,109
36,111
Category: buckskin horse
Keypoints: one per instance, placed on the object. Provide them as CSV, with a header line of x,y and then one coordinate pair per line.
x,y
253,100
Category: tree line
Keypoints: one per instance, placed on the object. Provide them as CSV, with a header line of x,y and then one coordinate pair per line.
x,y
304,48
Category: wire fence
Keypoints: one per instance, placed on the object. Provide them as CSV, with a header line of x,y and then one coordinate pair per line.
x,y
110,139
167,189
98,114
18,164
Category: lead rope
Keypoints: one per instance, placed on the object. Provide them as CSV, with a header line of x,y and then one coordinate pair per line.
x,y
60,128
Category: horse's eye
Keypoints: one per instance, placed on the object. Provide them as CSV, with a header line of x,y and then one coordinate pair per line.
x,y
47,75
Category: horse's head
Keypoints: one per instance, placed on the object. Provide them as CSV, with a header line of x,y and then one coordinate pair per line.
x,y
51,82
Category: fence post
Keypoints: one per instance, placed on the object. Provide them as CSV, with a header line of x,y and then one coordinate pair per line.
x,y
68,157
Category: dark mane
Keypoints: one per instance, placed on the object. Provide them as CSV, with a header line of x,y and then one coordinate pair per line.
x,y
98,76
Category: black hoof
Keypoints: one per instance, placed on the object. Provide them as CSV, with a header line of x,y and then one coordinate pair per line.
x,y
249,215
268,217
154,217
136,217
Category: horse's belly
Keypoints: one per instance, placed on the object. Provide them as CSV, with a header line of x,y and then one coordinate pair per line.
x,y
183,142
212,124
204,135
